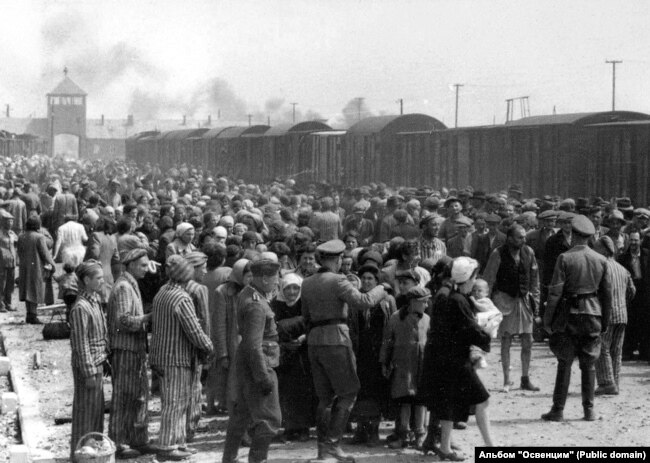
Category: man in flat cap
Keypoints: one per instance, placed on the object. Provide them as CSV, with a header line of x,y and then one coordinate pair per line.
x,y
325,299
485,244
127,330
257,404
358,223
537,239
454,209
461,244
578,310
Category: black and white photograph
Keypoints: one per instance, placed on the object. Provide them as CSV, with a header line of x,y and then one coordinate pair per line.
x,y
295,231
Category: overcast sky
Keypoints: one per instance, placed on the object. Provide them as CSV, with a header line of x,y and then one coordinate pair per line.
x,y
168,58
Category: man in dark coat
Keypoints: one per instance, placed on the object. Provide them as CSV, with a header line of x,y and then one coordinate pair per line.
x,y
579,304
636,260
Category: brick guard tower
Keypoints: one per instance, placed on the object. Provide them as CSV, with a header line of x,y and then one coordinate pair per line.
x,y
66,112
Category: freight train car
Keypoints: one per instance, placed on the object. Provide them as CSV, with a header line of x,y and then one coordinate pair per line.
x,y
567,154
371,152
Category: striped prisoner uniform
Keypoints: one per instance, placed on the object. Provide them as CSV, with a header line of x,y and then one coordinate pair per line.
x,y
608,365
89,349
176,341
129,419
199,295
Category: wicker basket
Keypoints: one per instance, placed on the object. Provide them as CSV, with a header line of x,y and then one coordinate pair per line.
x,y
107,456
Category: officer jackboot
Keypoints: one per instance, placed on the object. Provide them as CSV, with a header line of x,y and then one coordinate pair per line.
x,y
587,387
373,433
338,420
231,447
562,382
259,449
361,433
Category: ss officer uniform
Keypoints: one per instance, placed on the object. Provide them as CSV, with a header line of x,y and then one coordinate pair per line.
x,y
333,364
257,405
579,304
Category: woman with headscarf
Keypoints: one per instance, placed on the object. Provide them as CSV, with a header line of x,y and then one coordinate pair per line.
x,y
451,383
35,262
224,332
369,325
182,244
89,352
294,375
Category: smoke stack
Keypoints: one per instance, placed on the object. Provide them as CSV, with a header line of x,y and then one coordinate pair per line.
x,y
129,120
102,122
184,120
218,114
8,111
209,119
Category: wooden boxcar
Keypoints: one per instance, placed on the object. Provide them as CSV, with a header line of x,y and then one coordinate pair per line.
x,y
371,152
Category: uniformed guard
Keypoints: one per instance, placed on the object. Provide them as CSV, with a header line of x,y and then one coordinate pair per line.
x,y
257,405
333,365
579,303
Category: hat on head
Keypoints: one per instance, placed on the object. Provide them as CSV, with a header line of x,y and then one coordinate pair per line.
x,y
265,267
642,212
134,254
427,218
182,228
418,293
564,215
227,220
462,269
372,256
624,204
478,194
250,236
548,215
179,270
432,201
5,214
493,218
583,226
451,200
463,221
616,215
331,248
359,208
196,258
608,243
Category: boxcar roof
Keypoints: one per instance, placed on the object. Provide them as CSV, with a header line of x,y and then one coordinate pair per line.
x,y
396,124
182,134
579,118
307,126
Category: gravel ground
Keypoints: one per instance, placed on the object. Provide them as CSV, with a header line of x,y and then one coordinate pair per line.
x,y
624,419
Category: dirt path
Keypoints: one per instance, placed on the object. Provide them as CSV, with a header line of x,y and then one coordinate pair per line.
x,y
624,420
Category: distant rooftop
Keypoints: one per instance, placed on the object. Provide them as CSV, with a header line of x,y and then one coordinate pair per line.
x,y
67,87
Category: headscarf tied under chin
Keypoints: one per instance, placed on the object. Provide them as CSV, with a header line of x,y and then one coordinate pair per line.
x,y
288,280
183,227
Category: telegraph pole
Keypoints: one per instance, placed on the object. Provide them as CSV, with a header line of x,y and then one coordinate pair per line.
x,y
613,63
250,116
294,112
401,106
360,101
456,118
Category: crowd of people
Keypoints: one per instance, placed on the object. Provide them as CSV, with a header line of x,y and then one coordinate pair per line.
x,y
289,307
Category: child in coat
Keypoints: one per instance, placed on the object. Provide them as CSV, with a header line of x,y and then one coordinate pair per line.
x,y
401,356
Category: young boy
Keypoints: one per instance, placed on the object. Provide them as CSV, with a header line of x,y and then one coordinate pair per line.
x,y
486,310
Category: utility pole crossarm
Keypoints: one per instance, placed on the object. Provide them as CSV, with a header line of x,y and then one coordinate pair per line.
x,y
613,63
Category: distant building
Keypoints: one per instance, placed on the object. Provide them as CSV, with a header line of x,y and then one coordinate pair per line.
x,y
69,132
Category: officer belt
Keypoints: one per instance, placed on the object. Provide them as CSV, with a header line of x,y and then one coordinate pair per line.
x,y
330,321
582,296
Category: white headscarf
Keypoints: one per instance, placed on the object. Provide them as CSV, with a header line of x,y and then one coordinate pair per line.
x,y
288,280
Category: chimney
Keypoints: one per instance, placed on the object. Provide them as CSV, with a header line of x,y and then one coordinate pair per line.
x,y
102,122
129,120
209,119
8,111
184,120
218,114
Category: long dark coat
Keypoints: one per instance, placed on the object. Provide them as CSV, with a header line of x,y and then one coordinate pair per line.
x,y
33,255
450,384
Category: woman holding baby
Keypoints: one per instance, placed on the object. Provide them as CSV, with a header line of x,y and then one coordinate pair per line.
x,y
449,378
